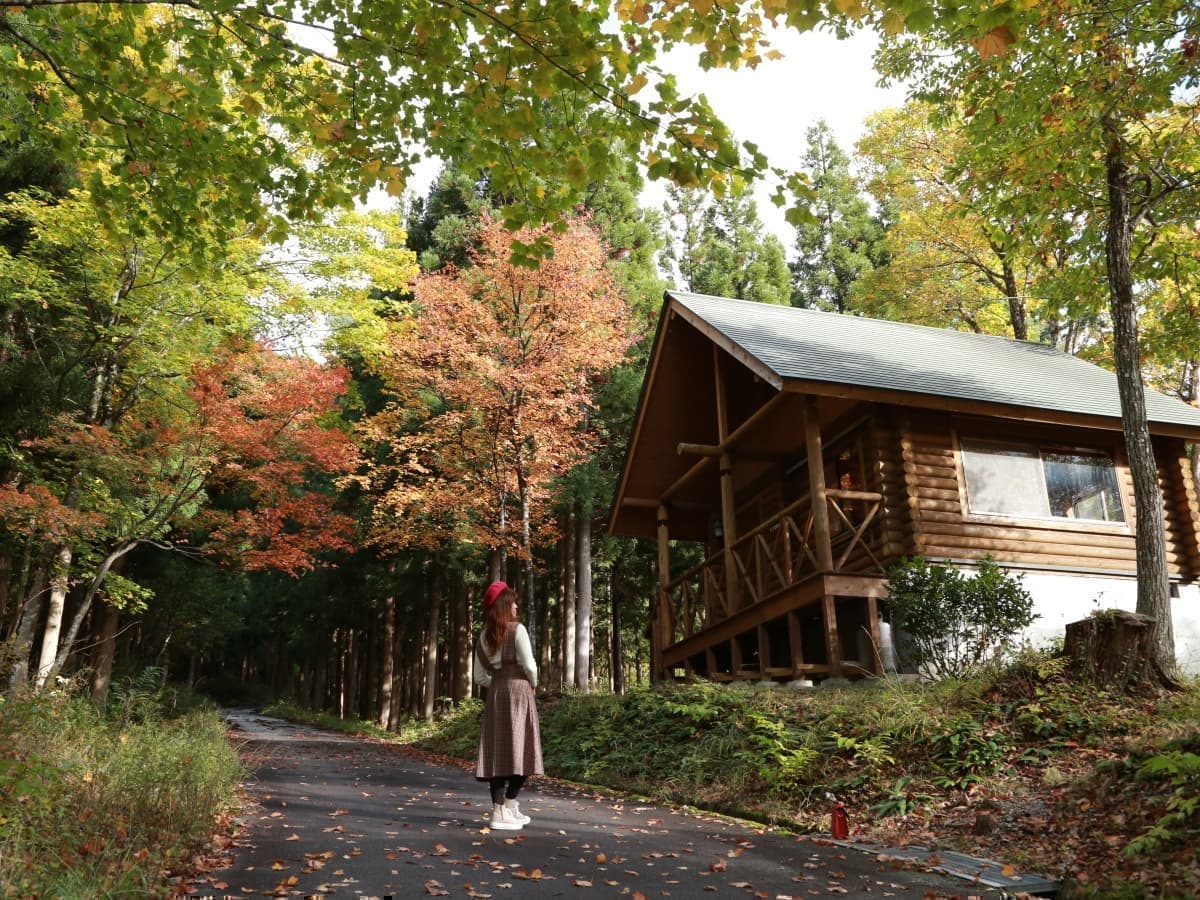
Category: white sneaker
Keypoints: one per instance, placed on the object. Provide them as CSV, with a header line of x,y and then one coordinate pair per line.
x,y
514,809
503,819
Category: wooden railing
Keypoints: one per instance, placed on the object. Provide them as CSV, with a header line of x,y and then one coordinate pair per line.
x,y
772,557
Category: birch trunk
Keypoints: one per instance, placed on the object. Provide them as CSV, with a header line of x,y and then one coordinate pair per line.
x,y
59,583
568,599
583,608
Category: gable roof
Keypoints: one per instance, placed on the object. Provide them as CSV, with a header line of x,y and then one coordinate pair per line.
x,y
783,343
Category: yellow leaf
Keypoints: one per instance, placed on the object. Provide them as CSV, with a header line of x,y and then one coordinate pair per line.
x,y
994,43
893,22
636,85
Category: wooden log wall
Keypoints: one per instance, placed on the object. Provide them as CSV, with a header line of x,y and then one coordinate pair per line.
x,y
940,526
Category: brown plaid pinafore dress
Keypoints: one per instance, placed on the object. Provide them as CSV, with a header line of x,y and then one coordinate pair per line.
x,y
510,741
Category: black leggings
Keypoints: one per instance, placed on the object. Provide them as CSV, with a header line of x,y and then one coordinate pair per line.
x,y
506,787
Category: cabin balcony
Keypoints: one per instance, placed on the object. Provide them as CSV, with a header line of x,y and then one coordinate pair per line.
x,y
767,608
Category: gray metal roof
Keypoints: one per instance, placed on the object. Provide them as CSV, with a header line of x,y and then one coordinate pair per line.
x,y
828,347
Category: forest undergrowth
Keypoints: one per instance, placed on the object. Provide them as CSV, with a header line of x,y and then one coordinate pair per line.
x,y
1024,766
107,802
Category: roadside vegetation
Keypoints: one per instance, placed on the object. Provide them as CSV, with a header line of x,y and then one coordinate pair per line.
x,y
1023,765
97,803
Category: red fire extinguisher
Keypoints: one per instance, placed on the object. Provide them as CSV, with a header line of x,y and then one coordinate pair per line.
x,y
841,823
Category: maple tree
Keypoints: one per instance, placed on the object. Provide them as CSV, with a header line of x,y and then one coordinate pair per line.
x,y
1086,112
252,437
491,385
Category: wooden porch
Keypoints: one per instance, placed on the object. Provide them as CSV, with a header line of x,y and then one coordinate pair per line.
x,y
779,603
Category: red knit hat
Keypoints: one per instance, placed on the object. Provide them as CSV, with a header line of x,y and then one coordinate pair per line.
x,y
494,590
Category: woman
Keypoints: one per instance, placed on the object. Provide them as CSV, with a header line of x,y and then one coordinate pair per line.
x,y
510,745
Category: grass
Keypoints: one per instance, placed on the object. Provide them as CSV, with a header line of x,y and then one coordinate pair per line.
x,y
96,804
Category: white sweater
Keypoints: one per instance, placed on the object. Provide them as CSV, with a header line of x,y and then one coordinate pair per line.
x,y
524,657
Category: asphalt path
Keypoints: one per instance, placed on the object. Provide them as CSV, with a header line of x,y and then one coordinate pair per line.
x,y
335,815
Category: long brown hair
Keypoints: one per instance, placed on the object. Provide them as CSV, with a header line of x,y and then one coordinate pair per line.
x,y
497,618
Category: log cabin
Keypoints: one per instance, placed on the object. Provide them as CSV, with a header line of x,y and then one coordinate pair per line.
x,y
782,458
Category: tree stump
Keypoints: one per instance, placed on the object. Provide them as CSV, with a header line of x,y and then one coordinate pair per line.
x,y
1112,648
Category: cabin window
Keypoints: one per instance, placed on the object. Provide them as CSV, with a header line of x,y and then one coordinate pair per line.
x,y
1028,481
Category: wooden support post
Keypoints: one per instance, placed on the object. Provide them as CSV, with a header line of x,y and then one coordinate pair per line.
x,y
660,630
795,643
710,661
735,656
833,645
729,530
816,485
728,496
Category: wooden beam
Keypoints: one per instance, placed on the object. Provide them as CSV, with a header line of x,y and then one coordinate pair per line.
x,y
816,485
660,634
738,433
698,449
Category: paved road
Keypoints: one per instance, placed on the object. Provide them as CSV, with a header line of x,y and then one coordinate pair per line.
x,y
350,817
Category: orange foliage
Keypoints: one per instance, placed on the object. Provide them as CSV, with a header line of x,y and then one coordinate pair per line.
x,y
260,424
492,389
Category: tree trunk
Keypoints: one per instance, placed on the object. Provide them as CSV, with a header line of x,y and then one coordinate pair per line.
x,y
31,608
1017,315
462,641
106,654
397,653
351,655
112,563
1113,649
618,651
583,608
385,678
6,576
59,582
568,599
1153,597
431,641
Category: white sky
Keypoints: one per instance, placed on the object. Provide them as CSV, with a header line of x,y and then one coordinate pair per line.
x,y
820,77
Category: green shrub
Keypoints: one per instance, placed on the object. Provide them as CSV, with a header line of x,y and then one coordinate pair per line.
x,y
956,622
